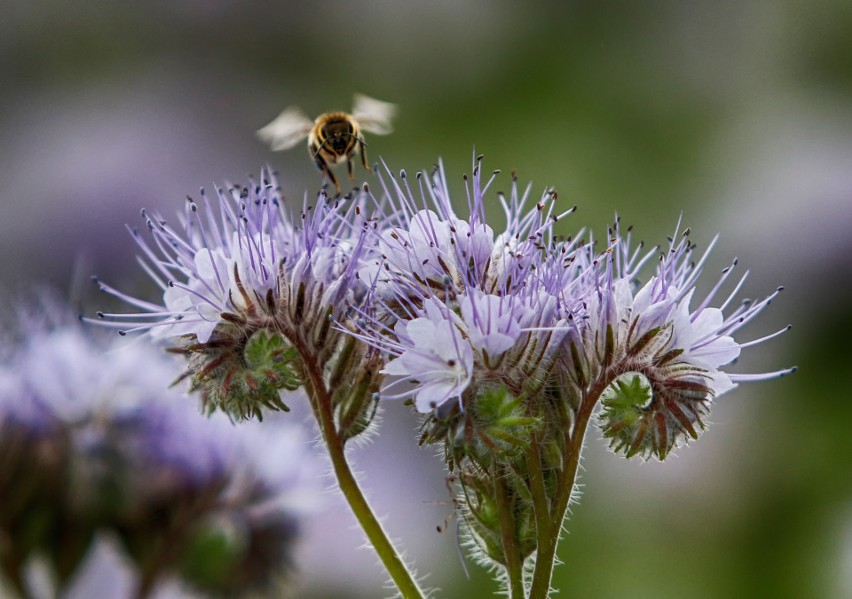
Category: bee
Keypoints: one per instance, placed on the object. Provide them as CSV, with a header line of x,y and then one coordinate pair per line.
x,y
333,136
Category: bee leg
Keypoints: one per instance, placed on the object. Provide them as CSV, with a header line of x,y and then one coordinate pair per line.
x,y
350,168
323,166
364,157
333,179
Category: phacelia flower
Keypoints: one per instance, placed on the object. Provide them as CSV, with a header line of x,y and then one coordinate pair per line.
x,y
653,339
435,362
465,306
249,291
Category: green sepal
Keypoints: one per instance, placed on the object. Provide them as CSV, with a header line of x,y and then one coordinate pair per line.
x,y
501,425
626,398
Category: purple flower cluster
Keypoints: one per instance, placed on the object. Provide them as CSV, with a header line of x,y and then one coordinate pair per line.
x,y
653,330
467,306
250,291
456,306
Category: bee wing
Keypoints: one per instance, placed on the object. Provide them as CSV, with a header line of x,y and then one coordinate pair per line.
x,y
373,115
289,128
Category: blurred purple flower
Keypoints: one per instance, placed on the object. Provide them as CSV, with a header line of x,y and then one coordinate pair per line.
x,y
90,434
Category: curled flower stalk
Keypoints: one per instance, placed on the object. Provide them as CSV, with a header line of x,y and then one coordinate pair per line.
x,y
250,298
511,343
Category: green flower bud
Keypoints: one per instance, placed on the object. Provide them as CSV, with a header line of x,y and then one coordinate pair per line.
x,y
493,424
492,501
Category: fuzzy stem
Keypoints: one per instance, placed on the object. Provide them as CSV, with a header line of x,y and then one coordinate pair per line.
x,y
572,448
322,406
514,564
538,491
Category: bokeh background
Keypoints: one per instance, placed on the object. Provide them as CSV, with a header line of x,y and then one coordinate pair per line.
x,y
736,114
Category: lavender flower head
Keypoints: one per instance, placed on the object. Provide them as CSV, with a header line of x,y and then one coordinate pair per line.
x,y
662,355
93,441
249,291
455,306
466,304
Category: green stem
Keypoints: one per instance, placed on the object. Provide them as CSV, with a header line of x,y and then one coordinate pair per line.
x,y
322,406
572,447
538,491
508,531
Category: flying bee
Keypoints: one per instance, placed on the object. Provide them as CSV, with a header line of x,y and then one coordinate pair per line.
x,y
333,136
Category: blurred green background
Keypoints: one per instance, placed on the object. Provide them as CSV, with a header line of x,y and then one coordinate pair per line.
x,y
736,114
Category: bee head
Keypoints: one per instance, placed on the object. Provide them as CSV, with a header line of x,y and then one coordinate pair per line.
x,y
338,135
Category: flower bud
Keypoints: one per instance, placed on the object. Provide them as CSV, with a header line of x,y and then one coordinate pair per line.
x,y
485,515
354,380
494,425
